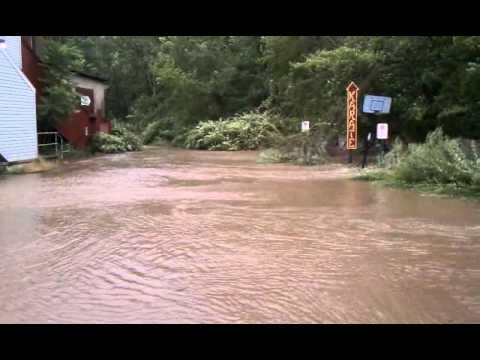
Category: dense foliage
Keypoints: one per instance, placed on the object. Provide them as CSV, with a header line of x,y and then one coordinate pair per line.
x,y
441,164
179,81
305,148
120,140
440,160
246,131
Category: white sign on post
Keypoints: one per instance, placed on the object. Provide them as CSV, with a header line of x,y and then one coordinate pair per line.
x,y
305,126
382,131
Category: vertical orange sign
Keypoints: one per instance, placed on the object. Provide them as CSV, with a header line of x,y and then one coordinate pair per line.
x,y
352,114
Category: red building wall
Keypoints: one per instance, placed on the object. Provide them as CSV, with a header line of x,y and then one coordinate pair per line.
x,y
84,123
73,128
31,66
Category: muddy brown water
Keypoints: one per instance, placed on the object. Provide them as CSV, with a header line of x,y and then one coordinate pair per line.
x,y
177,236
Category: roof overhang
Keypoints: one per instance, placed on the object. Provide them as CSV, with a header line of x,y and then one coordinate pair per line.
x,y
90,77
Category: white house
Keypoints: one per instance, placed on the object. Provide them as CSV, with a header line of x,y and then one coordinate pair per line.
x,y
18,118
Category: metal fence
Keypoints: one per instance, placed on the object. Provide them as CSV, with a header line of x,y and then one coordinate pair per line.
x,y
51,145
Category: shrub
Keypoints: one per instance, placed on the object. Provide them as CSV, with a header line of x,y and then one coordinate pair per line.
x,y
132,142
305,148
162,129
151,132
393,157
439,161
180,139
120,140
247,131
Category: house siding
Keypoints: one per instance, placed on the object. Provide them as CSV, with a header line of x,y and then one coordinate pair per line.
x,y
18,120
14,49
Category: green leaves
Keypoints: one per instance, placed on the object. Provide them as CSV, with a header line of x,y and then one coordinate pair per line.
x,y
317,84
120,140
59,97
247,131
434,81
440,160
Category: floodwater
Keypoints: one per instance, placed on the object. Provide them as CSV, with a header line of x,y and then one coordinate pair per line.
x,y
178,236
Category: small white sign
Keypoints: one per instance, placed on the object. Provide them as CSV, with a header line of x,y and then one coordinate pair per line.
x,y
382,131
376,104
305,126
86,130
85,100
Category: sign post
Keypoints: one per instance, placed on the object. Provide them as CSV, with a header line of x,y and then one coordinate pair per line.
x,y
373,106
382,135
352,118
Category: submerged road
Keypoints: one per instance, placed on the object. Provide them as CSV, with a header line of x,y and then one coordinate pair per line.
x,y
178,236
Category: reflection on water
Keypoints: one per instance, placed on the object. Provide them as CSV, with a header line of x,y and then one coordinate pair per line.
x,y
180,236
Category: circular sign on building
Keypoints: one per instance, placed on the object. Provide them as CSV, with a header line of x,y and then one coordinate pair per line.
x,y
85,100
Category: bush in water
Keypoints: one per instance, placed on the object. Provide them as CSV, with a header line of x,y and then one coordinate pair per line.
x,y
247,131
441,164
305,148
151,132
120,140
440,160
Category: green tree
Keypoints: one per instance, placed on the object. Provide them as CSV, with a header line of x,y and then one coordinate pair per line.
x,y
179,81
59,97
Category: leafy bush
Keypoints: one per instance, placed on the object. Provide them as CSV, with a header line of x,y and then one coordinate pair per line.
x,y
120,140
306,148
151,132
248,131
132,142
440,161
107,143
159,129
393,157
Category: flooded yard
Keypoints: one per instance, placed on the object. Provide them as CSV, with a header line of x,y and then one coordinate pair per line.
x,y
178,236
